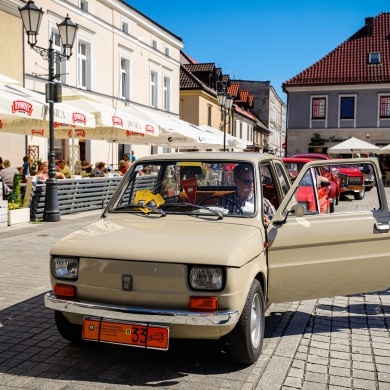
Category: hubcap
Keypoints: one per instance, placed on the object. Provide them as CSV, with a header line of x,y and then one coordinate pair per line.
x,y
256,315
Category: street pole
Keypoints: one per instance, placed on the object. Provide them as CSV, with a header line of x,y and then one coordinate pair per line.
x,y
224,129
52,209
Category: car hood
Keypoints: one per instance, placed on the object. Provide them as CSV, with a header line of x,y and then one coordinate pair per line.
x,y
172,239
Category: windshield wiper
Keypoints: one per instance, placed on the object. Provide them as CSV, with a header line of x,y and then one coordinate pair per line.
x,y
141,208
195,206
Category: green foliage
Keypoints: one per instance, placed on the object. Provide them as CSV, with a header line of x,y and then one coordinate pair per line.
x,y
34,166
14,197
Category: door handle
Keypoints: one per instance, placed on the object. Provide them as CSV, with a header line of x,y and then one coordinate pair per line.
x,y
382,227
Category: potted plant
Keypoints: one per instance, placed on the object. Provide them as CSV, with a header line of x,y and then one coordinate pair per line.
x,y
16,212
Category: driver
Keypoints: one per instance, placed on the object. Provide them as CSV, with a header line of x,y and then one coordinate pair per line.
x,y
243,178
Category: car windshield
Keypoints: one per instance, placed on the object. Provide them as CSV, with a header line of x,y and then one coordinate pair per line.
x,y
220,188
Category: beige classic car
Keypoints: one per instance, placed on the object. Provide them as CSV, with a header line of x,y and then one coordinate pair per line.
x,y
199,245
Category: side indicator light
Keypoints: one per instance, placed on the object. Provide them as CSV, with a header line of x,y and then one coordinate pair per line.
x,y
64,291
204,303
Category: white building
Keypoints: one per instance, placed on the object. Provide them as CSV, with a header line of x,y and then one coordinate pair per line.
x,y
120,57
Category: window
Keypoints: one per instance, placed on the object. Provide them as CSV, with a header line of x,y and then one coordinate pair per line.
x,y
84,5
209,111
84,65
347,107
154,43
167,93
125,27
241,130
385,106
374,58
318,108
153,88
125,79
59,67
167,51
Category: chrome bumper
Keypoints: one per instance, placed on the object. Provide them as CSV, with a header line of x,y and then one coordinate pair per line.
x,y
135,314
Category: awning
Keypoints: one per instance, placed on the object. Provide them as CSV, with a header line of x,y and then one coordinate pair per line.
x,y
174,132
111,122
354,145
231,141
26,112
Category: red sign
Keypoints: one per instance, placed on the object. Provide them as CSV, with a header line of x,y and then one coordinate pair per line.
x,y
189,186
38,132
116,120
149,129
21,106
77,133
130,133
79,118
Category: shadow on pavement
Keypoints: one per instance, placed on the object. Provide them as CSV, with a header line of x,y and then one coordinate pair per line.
x,y
31,347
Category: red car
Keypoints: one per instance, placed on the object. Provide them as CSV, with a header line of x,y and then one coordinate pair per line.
x,y
328,194
350,177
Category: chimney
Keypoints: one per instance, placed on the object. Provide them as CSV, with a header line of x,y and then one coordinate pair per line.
x,y
369,22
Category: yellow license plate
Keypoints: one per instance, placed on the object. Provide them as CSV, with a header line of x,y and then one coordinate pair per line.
x,y
357,188
126,333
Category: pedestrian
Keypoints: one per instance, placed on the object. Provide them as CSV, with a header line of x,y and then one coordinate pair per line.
x,y
133,158
126,157
86,167
99,170
26,165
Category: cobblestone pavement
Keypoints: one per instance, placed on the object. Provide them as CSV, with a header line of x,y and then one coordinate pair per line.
x,y
331,344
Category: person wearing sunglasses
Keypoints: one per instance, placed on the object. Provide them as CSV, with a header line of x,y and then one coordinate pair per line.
x,y
244,194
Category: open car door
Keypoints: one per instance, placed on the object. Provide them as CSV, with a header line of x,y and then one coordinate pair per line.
x,y
313,254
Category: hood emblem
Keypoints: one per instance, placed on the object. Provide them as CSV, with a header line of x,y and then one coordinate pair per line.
x,y
127,282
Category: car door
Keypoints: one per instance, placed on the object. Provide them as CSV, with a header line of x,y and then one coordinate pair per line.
x,y
313,255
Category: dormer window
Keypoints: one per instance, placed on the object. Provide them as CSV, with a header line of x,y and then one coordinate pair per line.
x,y
374,58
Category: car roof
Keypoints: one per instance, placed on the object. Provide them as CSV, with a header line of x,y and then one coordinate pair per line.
x,y
318,156
210,156
297,159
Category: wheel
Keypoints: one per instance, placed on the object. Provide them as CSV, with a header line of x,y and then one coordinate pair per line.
x,y
246,339
359,195
223,199
67,330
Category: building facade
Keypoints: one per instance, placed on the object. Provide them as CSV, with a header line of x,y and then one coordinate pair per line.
x,y
120,57
344,94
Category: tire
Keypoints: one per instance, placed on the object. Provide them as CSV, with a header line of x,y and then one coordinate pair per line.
x,y
358,195
246,339
67,330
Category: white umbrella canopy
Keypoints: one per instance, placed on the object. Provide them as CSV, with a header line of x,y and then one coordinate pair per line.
x,y
354,145
385,150
32,115
231,141
110,122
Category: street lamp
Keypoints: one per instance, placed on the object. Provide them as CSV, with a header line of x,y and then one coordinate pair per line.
x,y
226,103
32,17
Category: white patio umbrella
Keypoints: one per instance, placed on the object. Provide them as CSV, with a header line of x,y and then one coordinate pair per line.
x,y
353,145
174,132
30,114
231,141
385,150
110,122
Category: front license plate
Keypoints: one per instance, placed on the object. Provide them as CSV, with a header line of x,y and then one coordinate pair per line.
x,y
355,188
126,333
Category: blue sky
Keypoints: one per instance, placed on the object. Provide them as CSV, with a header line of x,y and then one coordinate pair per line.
x,y
258,39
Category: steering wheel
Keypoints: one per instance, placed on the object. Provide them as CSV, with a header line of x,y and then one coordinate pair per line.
x,y
224,199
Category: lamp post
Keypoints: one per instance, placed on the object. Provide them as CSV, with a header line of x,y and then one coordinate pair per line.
x,y
32,17
226,103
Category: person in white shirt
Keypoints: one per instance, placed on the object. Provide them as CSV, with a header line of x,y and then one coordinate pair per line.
x,y
8,173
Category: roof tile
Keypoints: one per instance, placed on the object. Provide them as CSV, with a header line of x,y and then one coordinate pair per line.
x,y
348,63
